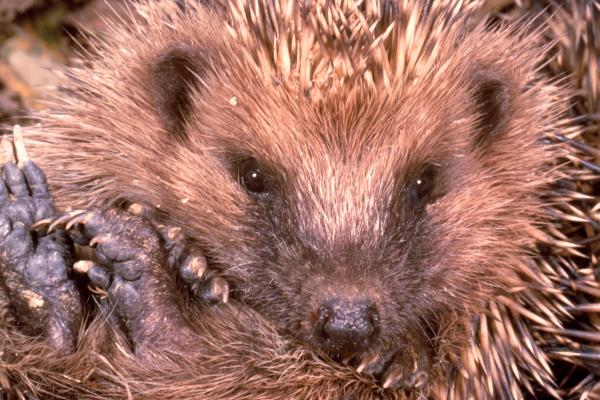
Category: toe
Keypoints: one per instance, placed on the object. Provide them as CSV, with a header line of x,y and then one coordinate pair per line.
x,y
5,226
114,249
47,266
21,211
14,180
193,268
97,274
126,298
36,180
213,291
128,270
17,245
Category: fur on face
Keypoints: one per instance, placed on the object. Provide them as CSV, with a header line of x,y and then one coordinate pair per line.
x,y
348,113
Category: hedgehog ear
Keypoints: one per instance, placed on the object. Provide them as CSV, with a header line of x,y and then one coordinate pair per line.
x,y
173,78
491,101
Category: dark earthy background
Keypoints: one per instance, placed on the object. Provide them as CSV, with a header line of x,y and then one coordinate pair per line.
x,y
36,37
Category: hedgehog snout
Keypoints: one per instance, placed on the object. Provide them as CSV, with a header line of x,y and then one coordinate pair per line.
x,y
346,327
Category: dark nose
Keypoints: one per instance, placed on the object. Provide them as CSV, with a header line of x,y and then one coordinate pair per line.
x,y
345,327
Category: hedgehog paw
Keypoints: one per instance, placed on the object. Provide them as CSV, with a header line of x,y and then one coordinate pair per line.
x,y
128,266
192,267
125,246
35,267
189,263
407,371
401,369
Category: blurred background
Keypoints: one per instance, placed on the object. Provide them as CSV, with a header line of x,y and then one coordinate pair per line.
x,y
37,37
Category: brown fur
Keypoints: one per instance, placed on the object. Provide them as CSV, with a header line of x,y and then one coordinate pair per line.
x,y
345,139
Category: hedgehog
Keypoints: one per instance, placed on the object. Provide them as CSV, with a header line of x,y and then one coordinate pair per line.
x,y
366,176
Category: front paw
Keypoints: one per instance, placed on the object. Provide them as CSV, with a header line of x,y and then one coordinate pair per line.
x,y
35,268
186,260
126,253
405,367
129,267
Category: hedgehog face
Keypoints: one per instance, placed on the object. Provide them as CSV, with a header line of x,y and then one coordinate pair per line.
x,y
348,254
352,223
346,246
360,218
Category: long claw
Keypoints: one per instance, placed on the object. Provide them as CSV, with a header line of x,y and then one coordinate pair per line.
x,y
100,239
54,223
368,362
392,379
8,151
42,224
19,143
398,376
420,380
58,222
79,217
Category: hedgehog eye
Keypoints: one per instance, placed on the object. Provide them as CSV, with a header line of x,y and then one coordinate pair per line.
x,y
253,177
423,185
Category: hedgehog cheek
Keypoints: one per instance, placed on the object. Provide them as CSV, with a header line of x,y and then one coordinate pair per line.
x,y
491,101
173,78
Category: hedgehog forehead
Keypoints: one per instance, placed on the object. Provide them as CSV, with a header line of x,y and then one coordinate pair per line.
x,y
371,131
305,140
324,47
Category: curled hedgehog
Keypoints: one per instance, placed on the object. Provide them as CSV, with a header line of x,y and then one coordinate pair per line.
x,y
367,177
